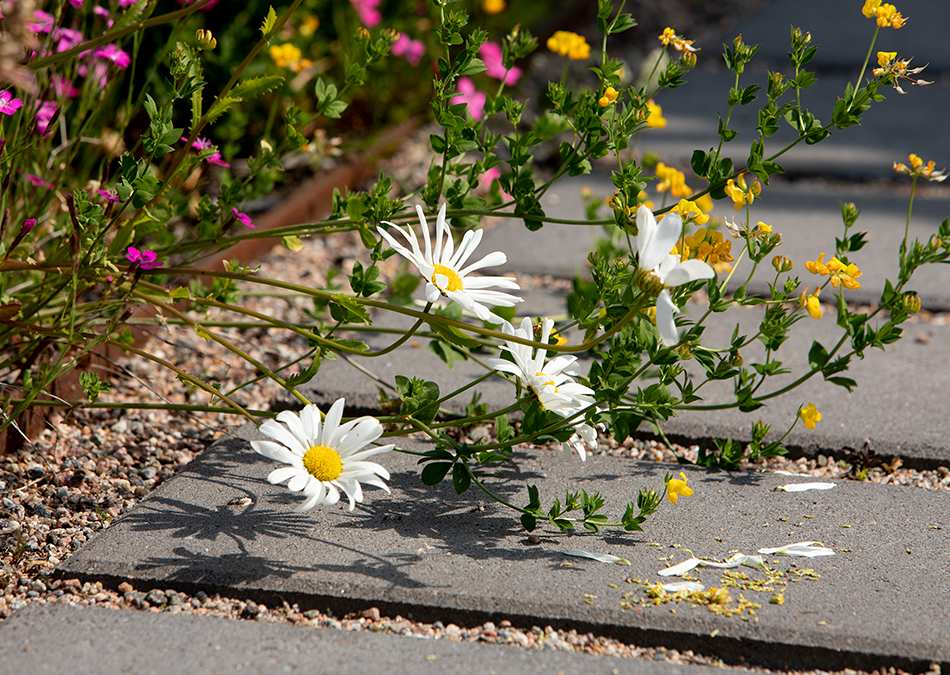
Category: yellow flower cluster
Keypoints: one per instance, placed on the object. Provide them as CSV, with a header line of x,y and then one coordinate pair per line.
x,y
897,69
672,181
917,168
288,56
309,26
655,119
841,274
692,212
569,44
669,37
810,415
885,14
742,193
493,6
708,245
610,95
811,303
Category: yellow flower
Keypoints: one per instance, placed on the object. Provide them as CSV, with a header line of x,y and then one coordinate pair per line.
x,y
655,119
285,54
917,168
763,228
676,487
811,303
741,193
705,203
818,266
883,58
672,180
885,14
893,70
810,415
709,246
841,274
568,44
610,95
493,6
309,26
690,212
669,37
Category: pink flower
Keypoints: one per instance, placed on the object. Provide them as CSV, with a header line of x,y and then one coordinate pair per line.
x,y
144,259
63,87
202,143
45,115
28,225
37,181
127,3
367,12
411,49
68,38
76,3
8,104
243,217
102,11
469,95
111,196
216,159
114,54
491,54
489,177
44,22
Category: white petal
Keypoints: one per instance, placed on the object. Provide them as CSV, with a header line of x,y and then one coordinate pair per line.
x,y
735,561
802,487
803,549
688,270
664,236
314,500
365,431
665,323
441,254
310,417
425,236
463,249
282,474
283,435
333,494
599,557
292,420
432,293
300,480
468,248
331,425
490,260
678,586
275,451
681,568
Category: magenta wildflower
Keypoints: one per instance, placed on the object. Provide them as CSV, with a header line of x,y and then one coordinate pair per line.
x,y
127,3
191,2
367,12
101,11
469,95
243,217
28,225
45,115
491,54
37,181
146,260
76,3
8,104
43,22
111,196
63,86
202,143
411,49
112,53
216,159
67,38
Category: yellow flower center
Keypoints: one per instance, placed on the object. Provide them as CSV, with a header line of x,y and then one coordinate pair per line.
x,y
323,463
455,281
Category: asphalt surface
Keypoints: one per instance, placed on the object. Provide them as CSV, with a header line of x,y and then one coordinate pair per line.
x,y
428,554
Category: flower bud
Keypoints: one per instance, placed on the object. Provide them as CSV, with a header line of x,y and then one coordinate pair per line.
x,y
685,351
782,264
911,303
688,60
205,39
735,358
362,34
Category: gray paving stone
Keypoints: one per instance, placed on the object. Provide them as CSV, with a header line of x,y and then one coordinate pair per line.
x,y
428,554
41,640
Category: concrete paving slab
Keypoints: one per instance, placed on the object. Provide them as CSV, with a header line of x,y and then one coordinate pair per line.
x,y
428,554
809,220
42,639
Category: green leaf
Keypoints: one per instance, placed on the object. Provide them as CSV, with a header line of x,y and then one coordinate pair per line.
x,y
269,22
418,397
453,335
307,373
845,382
292,242
432,474
529,522
256,86
343,308
817,356
218,108
461,478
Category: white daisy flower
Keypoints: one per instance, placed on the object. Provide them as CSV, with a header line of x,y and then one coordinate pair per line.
x,y
552,382
324,458
661,270
443,270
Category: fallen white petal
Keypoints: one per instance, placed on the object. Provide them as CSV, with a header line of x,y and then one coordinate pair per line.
x,y
734,561
802,487
789,473
683,567
803,549
683,586
599,557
